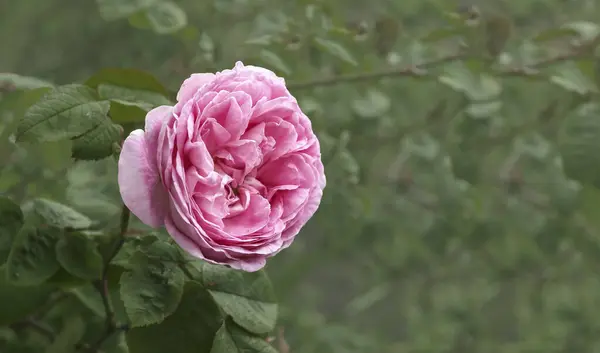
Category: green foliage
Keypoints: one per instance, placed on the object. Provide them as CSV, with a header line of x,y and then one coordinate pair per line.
x,y
231,338
460,146
192,326
151,291
247,297
12,221
79,255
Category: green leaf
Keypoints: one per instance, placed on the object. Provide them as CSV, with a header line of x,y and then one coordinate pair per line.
x,y
32,259
248,297
58,215
111,10
191,327
336,49
71,333
274,60
440,34
11,221
29,299
570,77
124,112
498,30
579,143
146,99
151,291
65,280
373,105
554,34
91,298
19,82
166,17
127,78
232,339
66,112
588,31
97,143
79,255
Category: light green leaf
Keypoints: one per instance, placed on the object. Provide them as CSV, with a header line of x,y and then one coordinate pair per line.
x,y
166,17
99,142
587,30
232,339
111,10
11,221
336,49
570,77
79,255
32,259
58,215
66,112
151,291
247,297
191,327
29,299
484,109
274,60
71,333
373,105
19,82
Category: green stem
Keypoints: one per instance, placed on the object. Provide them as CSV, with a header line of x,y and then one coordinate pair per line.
x,y
102,285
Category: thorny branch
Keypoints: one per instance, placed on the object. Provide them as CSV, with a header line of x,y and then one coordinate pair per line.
x,y
579,51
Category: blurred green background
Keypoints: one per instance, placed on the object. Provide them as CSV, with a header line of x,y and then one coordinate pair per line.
x,y
462,211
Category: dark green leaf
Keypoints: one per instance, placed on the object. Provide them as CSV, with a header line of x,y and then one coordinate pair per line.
x,y
151,291
11,221
147,99
247,297
32,259
579,143
232,339
66,112
58,215
91,298
191,327
336,49
555,33
29,299
127,78
98,143
166,17
124,112
68,337
19,82
79,255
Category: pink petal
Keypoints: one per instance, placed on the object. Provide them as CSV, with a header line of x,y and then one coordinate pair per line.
x,y
192,84
139,181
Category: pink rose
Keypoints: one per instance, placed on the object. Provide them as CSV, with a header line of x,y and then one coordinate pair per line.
x,y
233,170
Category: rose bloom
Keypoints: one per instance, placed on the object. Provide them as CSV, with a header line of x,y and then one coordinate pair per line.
x,y
233,170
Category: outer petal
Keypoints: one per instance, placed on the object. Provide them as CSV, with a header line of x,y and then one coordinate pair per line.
x,y
139,181
191,85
